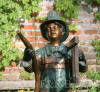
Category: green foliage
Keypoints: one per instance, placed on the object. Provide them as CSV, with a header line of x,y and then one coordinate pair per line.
x,y
98,88
73,28
93,75
9,53
92,89
97,16
96,44
95,4
70,8
41,17
27,76
1,76
67,8
10,11
92,1
95,89
74,87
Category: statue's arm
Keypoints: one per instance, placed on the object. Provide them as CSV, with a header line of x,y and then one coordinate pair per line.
x,y
27,60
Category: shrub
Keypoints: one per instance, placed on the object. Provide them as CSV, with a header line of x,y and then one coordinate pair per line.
x,y
26,76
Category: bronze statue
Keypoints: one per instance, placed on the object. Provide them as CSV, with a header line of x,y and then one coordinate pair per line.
x,y
54,59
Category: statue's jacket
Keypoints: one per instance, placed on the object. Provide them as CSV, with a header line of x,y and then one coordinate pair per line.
x,y
55,67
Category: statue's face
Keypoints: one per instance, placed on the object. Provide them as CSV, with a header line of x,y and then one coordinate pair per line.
x,y
53,31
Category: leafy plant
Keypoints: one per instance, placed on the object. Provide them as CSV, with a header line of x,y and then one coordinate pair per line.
x,y
92,89
41,17
92,1
95,89
98,88
70,11
93,75
73,28
26,76
74,87
97,16
10,13
1,76
96,44
95,4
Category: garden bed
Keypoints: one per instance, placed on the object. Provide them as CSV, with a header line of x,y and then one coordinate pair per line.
x,y
84,84
15,85
15,79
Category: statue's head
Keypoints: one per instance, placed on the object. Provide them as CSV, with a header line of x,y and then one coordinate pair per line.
x,y
54,27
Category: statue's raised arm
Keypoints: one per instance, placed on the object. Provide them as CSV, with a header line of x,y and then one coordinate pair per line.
x,y
30,57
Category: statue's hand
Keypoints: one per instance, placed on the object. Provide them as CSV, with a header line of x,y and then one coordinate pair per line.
x,y
28,54
82,62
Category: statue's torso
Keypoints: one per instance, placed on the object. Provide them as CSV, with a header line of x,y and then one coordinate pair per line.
x,y
54,67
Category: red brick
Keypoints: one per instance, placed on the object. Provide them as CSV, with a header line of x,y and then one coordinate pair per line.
x,y
90,37
97,37
43,14
33,33
30,27
31,39
30,33
91,21
85,49
82,37
91,67
98,62
99,32
98,68
21,69
90,56
42,39
40,45
50,8
90,31
30,20
14,71
6,71
91,62
76,20
38,33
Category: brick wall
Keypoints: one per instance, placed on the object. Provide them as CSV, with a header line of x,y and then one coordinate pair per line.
x,y
88,30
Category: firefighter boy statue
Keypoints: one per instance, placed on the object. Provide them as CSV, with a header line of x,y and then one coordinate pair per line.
x,y
55,57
